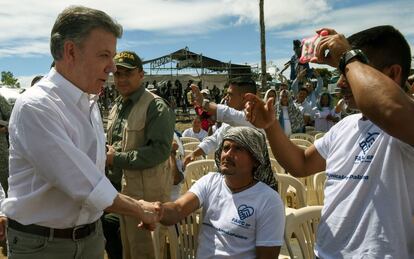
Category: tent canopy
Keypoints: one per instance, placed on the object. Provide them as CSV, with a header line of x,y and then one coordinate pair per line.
x,y
188,59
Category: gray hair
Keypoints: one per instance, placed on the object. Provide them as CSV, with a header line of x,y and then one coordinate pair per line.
x,y
75,23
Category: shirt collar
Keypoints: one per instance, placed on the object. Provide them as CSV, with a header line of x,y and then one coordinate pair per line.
x,y
70,90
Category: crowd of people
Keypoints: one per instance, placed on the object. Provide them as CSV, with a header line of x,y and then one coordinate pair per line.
x,y
73,189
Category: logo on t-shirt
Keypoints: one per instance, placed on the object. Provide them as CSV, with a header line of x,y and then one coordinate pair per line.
x,y
365,145
244,212
368,141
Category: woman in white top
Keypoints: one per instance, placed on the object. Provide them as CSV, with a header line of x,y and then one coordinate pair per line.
x,y
324,114
289,116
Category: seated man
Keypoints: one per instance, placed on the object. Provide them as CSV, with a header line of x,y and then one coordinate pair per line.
x,y
242,216
196,131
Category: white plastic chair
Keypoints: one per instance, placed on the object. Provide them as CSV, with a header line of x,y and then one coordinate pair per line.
x,y
301,142
277,168
183,245
185,140
191,145
319,184
319,135
305,136
284,181
195,170
302,224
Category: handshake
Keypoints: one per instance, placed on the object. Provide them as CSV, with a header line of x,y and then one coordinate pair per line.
x,y
151,213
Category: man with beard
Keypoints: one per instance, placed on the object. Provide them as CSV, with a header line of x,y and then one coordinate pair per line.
x,y
242,216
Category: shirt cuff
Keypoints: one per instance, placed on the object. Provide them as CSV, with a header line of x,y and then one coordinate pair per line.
x,y
204,147
220,111
102,196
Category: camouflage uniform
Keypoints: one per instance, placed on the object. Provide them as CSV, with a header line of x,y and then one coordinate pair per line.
x,y
5,111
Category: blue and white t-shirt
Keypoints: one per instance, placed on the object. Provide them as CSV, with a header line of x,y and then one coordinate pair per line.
x,y
369,193
235,223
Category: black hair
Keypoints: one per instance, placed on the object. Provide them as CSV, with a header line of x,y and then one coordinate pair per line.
x,y
303,89
384,46
244,84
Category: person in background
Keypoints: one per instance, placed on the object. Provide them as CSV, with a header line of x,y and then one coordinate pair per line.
x,y
195,131
140,133
207,120
288,115
304,106
5,112
325,114
35,80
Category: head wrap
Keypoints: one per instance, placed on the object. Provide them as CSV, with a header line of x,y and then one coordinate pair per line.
x,y
255,142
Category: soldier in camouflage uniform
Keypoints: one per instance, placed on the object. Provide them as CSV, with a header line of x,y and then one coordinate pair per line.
x,y
5,111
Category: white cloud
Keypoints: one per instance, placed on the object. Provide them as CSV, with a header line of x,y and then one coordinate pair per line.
x,y
356,18
26,24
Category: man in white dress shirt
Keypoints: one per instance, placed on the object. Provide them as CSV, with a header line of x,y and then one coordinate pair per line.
x,y
58,189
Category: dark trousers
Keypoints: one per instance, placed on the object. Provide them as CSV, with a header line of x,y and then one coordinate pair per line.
x,y
112,233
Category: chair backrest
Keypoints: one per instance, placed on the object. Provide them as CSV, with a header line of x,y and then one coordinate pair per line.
x,y
302,224
191,145
183,237
187,152
195,170
277,168
185,140
319,135
305,136
301,142
313,132
284,181
309,129
319,184
269,150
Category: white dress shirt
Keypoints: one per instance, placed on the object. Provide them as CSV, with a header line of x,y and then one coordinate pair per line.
x,y
57,157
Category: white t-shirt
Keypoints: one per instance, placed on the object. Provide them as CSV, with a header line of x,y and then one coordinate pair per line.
x,y
190,133
235,223
369,193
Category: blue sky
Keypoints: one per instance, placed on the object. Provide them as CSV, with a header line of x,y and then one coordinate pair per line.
x,y
227,30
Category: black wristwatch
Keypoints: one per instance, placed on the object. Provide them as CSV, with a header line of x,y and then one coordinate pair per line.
x,y
348,56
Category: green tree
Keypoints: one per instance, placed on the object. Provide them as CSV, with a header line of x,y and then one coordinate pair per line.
x,y
7,78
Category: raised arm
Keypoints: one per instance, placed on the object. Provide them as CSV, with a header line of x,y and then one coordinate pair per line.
x,y
377,93
295,160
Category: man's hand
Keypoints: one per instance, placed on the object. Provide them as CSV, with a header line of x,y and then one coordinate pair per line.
x,y
152,213
3,221
110,155
198,97
335,43
259,113
189,158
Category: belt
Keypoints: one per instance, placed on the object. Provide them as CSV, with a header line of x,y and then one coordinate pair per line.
x,y
75,233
